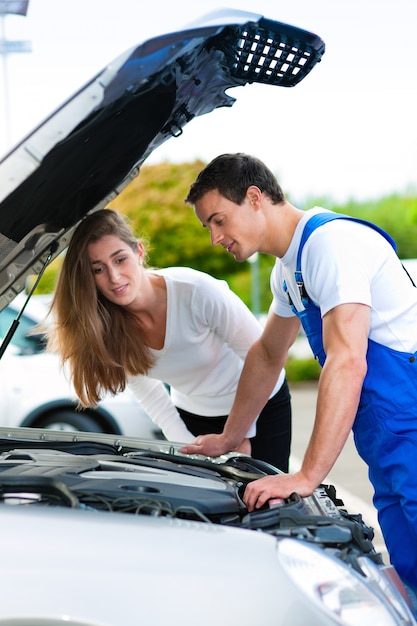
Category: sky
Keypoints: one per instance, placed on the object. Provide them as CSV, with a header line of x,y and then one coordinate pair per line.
x,y
347,131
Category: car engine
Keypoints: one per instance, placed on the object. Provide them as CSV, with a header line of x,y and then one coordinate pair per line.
x,y
120,479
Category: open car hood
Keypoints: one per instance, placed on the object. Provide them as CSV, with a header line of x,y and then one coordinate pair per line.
x,y
88,150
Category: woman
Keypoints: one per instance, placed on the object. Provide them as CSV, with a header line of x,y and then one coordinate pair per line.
x,y
118,324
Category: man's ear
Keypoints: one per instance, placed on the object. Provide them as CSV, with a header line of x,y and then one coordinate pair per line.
x,y
254,195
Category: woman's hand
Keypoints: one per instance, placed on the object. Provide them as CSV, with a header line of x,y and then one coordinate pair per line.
x,y
245,447
214,445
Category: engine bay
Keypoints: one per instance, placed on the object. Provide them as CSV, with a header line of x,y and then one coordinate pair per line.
x,y
119,479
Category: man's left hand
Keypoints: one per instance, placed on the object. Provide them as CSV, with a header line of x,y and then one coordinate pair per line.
x,y
258,492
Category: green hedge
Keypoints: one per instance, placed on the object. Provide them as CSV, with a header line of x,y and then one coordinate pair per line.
x,y
300,370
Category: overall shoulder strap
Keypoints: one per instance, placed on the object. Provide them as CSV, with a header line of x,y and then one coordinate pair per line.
x,y
322,218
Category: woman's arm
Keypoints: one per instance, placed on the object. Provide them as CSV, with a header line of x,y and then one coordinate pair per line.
x,y
155,399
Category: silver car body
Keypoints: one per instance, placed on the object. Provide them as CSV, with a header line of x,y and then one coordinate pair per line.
x,y
119,531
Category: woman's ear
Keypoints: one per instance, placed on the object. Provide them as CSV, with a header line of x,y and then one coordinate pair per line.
x,y
141,252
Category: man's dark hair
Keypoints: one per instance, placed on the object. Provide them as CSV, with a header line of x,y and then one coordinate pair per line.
x,y
231,175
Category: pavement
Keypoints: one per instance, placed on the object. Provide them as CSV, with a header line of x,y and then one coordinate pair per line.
x,y
349,474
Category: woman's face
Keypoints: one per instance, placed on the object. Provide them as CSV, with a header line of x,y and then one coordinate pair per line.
x,y
117,269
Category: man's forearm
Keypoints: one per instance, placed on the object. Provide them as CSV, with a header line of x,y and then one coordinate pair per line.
x,y
256,383
337,404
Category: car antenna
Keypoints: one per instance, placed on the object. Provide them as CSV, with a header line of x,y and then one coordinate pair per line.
x,y
16,322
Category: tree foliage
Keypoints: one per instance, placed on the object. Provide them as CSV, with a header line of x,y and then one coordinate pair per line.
x,y
154,204
396,214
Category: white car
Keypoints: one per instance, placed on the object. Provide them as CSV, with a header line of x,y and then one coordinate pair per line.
x,y
108,530
122,532
36,393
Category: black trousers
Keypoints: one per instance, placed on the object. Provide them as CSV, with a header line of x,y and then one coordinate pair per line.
x,y
272,442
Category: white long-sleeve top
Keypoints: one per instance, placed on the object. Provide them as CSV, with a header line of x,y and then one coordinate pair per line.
x,y
209,331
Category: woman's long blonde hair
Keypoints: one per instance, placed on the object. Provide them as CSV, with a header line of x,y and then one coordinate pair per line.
x,y
99,340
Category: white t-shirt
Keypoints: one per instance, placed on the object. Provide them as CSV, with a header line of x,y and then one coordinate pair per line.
x,y
209,331
347,262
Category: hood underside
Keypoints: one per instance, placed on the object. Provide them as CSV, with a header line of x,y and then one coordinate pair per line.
x,y
87,151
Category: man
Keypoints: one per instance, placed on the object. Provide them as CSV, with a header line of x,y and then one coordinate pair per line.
x,y
343,280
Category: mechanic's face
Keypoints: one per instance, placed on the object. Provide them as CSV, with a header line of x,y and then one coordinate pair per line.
x,y
232,226
117,269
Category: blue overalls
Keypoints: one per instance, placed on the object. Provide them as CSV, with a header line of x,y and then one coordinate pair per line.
x,y
385,427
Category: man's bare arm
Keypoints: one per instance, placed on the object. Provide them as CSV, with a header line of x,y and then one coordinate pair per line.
x,y
263,364
345,336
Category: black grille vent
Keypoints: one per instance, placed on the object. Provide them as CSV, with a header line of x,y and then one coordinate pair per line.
x,y
282,55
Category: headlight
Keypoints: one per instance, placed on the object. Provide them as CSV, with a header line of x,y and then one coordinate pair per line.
x,y
334,587
387,582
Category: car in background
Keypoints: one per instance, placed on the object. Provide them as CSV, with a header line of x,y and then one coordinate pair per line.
x,y
109,530
36,393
